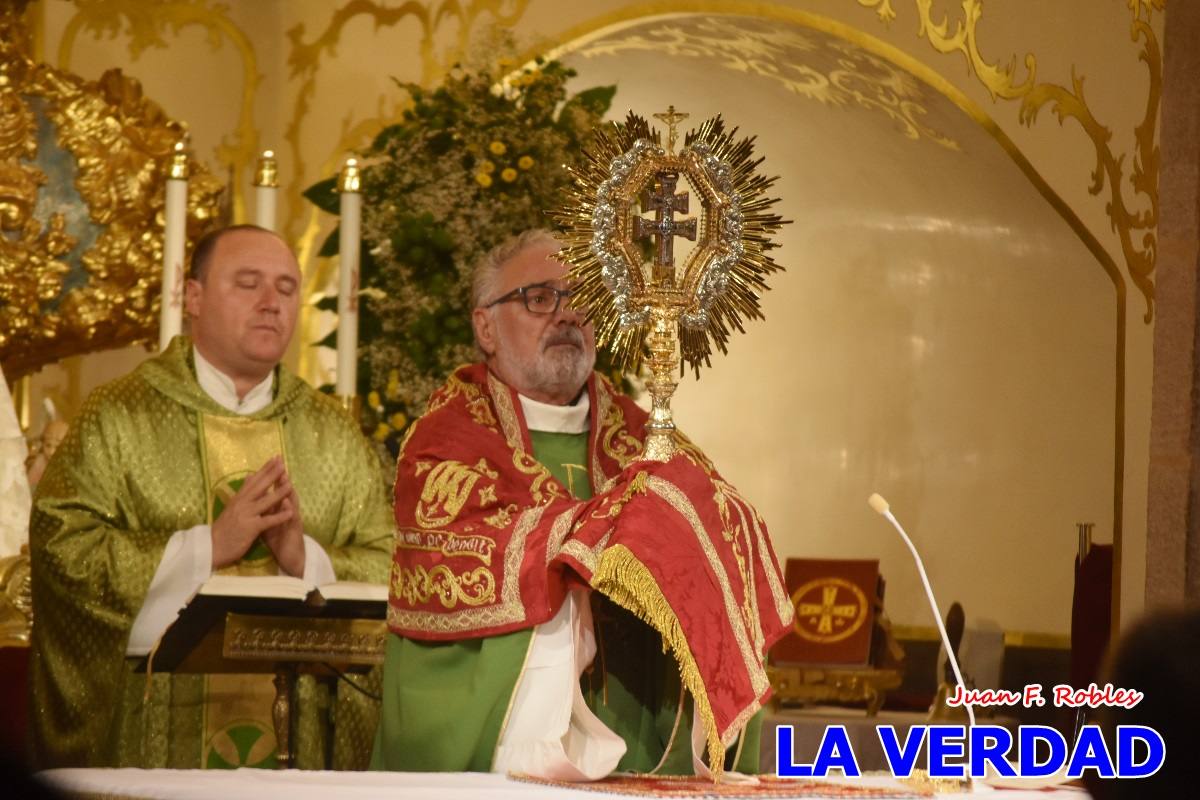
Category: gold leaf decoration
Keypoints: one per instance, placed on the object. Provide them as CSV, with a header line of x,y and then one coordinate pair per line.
x,y
1136,227
82,170
145,25
305,57
812,65
882,7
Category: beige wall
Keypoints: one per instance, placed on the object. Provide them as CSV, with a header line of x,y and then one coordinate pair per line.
x,y
944,334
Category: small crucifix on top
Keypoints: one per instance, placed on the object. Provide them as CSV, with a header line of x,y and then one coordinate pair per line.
x,y
672,118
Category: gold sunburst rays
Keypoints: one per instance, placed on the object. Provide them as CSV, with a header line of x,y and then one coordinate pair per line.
x,y
718,286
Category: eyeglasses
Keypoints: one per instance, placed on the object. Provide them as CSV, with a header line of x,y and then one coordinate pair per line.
x,y
538,298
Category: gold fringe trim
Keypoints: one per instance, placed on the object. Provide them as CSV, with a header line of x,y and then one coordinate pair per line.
x,y
629,584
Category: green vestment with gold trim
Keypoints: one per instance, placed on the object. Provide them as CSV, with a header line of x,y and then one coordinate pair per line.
x,y
131,473
632,686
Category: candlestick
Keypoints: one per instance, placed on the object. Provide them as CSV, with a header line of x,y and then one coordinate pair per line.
x,y
266,190
348,246
174,243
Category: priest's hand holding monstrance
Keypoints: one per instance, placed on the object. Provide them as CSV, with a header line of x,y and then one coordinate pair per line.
x,y
656,309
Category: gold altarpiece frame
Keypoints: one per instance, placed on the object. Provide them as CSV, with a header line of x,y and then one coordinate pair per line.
x,y
82,170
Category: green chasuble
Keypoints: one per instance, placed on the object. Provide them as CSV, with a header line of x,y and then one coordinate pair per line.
x,y
129,474
632,686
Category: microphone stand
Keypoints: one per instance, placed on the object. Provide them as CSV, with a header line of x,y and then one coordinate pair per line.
x,y
883,509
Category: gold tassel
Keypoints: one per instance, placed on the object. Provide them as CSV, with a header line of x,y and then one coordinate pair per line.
x,y
627,582
636,486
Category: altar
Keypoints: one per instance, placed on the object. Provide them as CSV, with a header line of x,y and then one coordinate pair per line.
x,y
253,784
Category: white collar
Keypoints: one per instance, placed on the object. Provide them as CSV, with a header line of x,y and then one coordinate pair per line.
x,y
221,389
556,419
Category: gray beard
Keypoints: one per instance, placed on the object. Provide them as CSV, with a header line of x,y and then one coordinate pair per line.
x,y
560,371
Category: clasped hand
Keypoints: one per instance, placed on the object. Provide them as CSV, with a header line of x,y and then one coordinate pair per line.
x,y
266,506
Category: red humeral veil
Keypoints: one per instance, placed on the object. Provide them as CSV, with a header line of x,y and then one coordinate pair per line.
x,y
488,542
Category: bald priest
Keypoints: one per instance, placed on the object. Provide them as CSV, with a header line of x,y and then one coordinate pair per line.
x,y
209,456
558,606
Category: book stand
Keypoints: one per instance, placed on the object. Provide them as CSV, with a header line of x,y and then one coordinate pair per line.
x,y
287,637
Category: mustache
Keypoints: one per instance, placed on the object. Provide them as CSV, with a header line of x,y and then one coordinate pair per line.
x,y
568,335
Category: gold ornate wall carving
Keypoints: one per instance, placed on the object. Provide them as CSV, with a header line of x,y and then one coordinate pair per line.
x,y
306,57
1136,228
305,60
854,79
146,25
882,7
81,257
1136,225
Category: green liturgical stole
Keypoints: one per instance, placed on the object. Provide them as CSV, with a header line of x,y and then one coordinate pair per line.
x,y
238,730
235,448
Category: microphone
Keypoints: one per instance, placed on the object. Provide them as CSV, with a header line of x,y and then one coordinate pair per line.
x,y
881,507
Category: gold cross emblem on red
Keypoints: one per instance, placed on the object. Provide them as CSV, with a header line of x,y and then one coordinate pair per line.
x,y
829,610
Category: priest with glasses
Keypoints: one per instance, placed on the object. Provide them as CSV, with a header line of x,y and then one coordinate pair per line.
x,y
559,606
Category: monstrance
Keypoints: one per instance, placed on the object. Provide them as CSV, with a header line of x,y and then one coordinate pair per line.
x,y
643,304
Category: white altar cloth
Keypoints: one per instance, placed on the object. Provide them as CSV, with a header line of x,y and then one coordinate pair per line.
x,y
256,784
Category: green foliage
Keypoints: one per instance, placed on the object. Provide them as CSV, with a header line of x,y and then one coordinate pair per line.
x,y
323,195
470,164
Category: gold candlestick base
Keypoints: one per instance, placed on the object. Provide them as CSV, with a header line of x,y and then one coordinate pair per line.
x,y
352,405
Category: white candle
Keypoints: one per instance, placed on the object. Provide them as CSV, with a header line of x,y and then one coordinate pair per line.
x,y
174,242
348,246
266,188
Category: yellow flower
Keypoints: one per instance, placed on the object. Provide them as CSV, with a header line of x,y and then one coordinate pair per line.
x,y
398,420
508,175
393,385
497,147
381,432
483,179
487,166
373,400
525,162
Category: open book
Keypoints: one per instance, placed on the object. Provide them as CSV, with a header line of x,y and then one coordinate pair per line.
x,y
285,587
